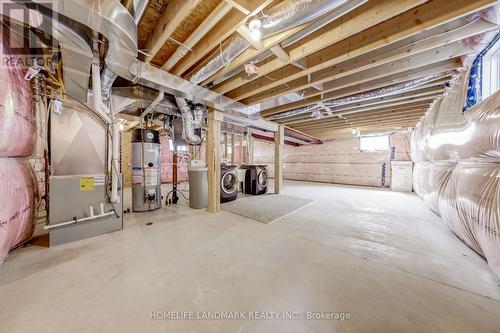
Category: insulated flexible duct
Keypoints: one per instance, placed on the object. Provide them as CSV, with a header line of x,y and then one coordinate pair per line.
x,y
191,120
281,17
394,89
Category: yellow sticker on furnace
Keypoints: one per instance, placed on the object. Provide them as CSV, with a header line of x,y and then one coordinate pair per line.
x,y
87,184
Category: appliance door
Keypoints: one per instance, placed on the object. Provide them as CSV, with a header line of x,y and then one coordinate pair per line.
x,y
262,178
229,182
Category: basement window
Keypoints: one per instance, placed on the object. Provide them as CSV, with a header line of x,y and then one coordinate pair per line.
x,y
374,143
491,71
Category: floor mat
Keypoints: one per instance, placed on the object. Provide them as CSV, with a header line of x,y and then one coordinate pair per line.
x,y
265,208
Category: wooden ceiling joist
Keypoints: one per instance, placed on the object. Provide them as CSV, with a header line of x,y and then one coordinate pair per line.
x,y
357,121
309,121
450,51
220,32
313,99
376,124
395,28
437,83
409,101
373,113
218,13
275,40
371,60
361,18
168,22
394,76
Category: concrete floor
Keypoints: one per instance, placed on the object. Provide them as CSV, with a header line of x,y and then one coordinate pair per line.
x,y
382,256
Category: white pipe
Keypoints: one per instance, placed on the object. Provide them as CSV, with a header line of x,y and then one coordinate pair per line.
x,y
96,92
78,220
107,115
114,160
91,211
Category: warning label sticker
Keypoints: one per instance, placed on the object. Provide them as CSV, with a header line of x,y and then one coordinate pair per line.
x,y
151,176
87,184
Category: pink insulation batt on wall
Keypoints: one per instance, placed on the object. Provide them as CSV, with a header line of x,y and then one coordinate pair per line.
x,y
17,121
166,163
18,189
337,161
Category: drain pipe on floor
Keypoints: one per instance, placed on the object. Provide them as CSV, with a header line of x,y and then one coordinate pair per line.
x,y
76,220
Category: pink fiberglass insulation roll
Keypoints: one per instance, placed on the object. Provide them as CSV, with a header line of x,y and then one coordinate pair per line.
x,y
18,189
471,207
166,163
17,122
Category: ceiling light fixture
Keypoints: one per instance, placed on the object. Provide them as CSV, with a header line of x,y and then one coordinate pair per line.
x,y
255,24
255,34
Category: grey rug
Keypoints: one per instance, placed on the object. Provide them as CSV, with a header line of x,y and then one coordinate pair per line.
x,y
265,208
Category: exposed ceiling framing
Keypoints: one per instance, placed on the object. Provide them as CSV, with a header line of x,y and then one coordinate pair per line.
x,y
360,47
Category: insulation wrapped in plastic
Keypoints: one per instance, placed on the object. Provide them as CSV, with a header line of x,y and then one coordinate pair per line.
x,y
286,15
429,181
470,205
17,211
393,89
17,124
477,136
336,161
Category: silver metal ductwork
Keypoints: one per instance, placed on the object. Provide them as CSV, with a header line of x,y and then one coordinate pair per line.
x,y
136,8
115,23
339,11
191,121
75,50
77,59
132,100
284,16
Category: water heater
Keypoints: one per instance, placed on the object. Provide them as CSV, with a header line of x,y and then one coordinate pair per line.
x,y
146,191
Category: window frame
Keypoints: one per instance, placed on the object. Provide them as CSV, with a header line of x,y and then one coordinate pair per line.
x,y
491,66
374,136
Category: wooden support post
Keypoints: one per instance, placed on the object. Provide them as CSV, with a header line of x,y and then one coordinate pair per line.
x,y
226,151
250,148
279,146
242,151
232,149
213,160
